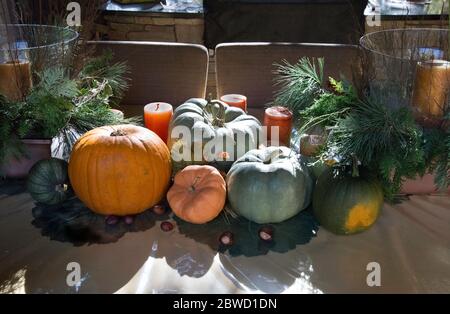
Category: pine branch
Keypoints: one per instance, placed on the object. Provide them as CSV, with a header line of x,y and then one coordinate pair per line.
x,y
386,141
55,82
299,84
437,149
101,69
59,106
330,106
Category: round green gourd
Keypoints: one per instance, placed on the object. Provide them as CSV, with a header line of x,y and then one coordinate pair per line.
x,y
269,185
48,181
346,204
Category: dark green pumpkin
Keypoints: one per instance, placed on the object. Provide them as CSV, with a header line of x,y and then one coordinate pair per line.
x,y
208,121
269,185
346,204
48,181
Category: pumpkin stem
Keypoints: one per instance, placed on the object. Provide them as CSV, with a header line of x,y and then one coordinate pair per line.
x,y
274,155
192,187
61,187
118,132
355,170
218,116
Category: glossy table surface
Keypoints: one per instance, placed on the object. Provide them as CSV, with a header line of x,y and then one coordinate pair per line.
x,y
410,242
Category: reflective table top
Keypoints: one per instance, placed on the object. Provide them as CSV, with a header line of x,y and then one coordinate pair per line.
x,y
39,246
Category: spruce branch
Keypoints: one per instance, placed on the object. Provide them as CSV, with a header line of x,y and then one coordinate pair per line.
x,y
299,84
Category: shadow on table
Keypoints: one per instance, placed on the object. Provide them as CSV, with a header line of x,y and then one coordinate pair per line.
x,y
12,187
73,222
67,232
192,249
286,235
189,249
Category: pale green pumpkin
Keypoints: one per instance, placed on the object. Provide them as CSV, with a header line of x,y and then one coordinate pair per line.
x,y
269,185
213,121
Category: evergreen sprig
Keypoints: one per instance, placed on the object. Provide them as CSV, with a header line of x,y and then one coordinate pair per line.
x,y
62,107
299,84
100,68
436,146
329,106
386,141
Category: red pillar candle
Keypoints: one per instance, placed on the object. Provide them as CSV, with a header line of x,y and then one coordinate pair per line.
x,y
235,100
280,117
157,117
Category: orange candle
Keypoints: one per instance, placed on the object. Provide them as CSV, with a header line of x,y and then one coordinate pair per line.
x,y
235,100
15,79
157,117
430,93
281,118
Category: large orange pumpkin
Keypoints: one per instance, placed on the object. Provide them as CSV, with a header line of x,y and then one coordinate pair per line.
x,y
120,170
198,194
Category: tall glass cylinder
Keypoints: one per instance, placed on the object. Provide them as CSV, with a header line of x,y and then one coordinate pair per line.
x,y
391,58
26,50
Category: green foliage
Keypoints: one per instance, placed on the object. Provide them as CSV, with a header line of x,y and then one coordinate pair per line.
x,y
54,82
100,69
58,106
386,141
299,84
328,107
436,146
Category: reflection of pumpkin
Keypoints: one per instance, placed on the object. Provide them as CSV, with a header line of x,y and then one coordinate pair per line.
x,y
120,170
344,204
269,185
48,182
208,121
198,194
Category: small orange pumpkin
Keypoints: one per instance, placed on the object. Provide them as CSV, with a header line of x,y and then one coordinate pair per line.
x,y
120,170
198,194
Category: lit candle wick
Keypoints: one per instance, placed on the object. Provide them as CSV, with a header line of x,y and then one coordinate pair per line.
x,y
157,107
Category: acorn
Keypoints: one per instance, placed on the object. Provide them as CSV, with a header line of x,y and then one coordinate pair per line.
x,y
226,238
111,220
128,219
266,233
159,209
166,226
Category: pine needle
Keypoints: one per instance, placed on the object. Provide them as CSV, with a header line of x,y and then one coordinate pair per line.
x,y
299,84
385,141
62,107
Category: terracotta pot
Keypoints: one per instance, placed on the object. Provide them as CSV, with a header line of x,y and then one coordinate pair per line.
x,y
422,185
35,149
